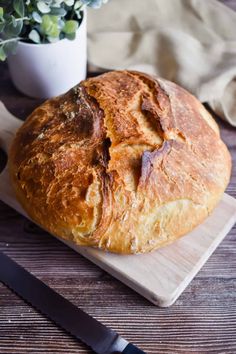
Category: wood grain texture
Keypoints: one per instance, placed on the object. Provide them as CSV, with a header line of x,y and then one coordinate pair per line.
x,y
203,320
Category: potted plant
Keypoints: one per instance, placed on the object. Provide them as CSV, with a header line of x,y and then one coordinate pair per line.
x,y
44,42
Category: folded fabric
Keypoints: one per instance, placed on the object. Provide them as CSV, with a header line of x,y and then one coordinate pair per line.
x,y
190,42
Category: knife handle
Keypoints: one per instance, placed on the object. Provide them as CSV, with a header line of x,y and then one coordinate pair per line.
x,y
131,349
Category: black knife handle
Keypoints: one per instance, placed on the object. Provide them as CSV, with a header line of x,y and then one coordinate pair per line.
x,y
131,349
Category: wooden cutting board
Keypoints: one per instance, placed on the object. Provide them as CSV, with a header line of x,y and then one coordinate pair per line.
x,y
160,276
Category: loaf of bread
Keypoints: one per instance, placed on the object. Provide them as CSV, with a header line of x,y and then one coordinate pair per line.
x,y
124,162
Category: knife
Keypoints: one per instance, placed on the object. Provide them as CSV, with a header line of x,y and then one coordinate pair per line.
x,y
100,338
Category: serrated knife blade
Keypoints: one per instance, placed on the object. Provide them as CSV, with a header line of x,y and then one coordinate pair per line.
x,y
100,338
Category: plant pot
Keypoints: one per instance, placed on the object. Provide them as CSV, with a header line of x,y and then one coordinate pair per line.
x,y
47,70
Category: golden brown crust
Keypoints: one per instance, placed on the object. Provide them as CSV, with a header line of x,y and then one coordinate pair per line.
x,y
123,162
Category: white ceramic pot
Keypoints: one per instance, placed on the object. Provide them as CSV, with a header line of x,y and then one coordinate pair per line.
x,y
47,70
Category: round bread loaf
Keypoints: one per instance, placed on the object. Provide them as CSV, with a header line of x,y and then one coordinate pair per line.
x,y
124,162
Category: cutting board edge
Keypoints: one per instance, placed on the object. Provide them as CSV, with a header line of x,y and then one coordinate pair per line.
x,y
217,241
157,299
151,296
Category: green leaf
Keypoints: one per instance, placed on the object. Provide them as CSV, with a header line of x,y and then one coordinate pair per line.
x,y
1,13
70,27
13,31
14,22
46,24
18,27
57,3
78,4
78,14
34,36
53,39
70,36
36,17
43,7
58,11
61,23
54,32
50,26
54,19
19,7
10,47
2,26
2,54
69,2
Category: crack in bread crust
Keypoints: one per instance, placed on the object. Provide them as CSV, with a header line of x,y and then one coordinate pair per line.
x,y
124,161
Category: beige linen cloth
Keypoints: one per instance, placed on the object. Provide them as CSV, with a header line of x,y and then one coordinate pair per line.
x,y
191,42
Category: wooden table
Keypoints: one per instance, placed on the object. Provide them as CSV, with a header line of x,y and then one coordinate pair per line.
x,y
202,320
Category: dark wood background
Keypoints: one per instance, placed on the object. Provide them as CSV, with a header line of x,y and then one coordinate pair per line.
x,y
202,320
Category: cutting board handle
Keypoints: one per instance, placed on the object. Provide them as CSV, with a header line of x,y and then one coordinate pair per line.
x,y
8,127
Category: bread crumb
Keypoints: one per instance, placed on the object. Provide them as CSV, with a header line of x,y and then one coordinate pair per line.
x,y
70,115
133,244
40,136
